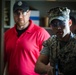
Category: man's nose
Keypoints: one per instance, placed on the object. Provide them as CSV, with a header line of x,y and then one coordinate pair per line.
x,y
20,15
59,27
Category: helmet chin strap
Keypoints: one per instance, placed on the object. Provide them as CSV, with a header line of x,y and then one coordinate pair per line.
x,y
66,30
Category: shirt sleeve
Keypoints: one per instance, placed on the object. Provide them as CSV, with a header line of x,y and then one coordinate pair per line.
x,y
45,49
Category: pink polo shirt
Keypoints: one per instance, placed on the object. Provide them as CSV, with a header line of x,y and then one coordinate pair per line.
x,y
22,52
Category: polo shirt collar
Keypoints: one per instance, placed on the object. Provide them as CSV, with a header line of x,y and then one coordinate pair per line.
x,y
31,25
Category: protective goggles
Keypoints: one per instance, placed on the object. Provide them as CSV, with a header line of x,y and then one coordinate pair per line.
x,y
56,23
17,13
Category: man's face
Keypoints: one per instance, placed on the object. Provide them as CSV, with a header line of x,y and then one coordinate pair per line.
x,y
60,28
21,17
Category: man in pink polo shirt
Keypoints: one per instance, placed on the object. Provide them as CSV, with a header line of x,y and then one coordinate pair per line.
x,y
23,42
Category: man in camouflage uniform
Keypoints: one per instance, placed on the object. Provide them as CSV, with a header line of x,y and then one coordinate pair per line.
x,y
60,49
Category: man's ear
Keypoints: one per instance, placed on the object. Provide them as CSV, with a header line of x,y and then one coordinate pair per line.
x,y
70,22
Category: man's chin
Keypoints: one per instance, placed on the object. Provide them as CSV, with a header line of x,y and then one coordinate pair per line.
x,y
59,36
20,24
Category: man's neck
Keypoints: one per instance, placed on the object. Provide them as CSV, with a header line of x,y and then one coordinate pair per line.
x,y
66,38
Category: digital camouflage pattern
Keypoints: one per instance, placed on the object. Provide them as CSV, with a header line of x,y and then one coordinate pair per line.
x,y
61,13
66,54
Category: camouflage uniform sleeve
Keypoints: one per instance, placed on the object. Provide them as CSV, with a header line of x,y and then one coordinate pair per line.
x,y
45,49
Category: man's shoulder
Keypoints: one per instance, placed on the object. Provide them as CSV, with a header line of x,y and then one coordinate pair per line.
x,y
37,27
9,30
41,30
50,41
